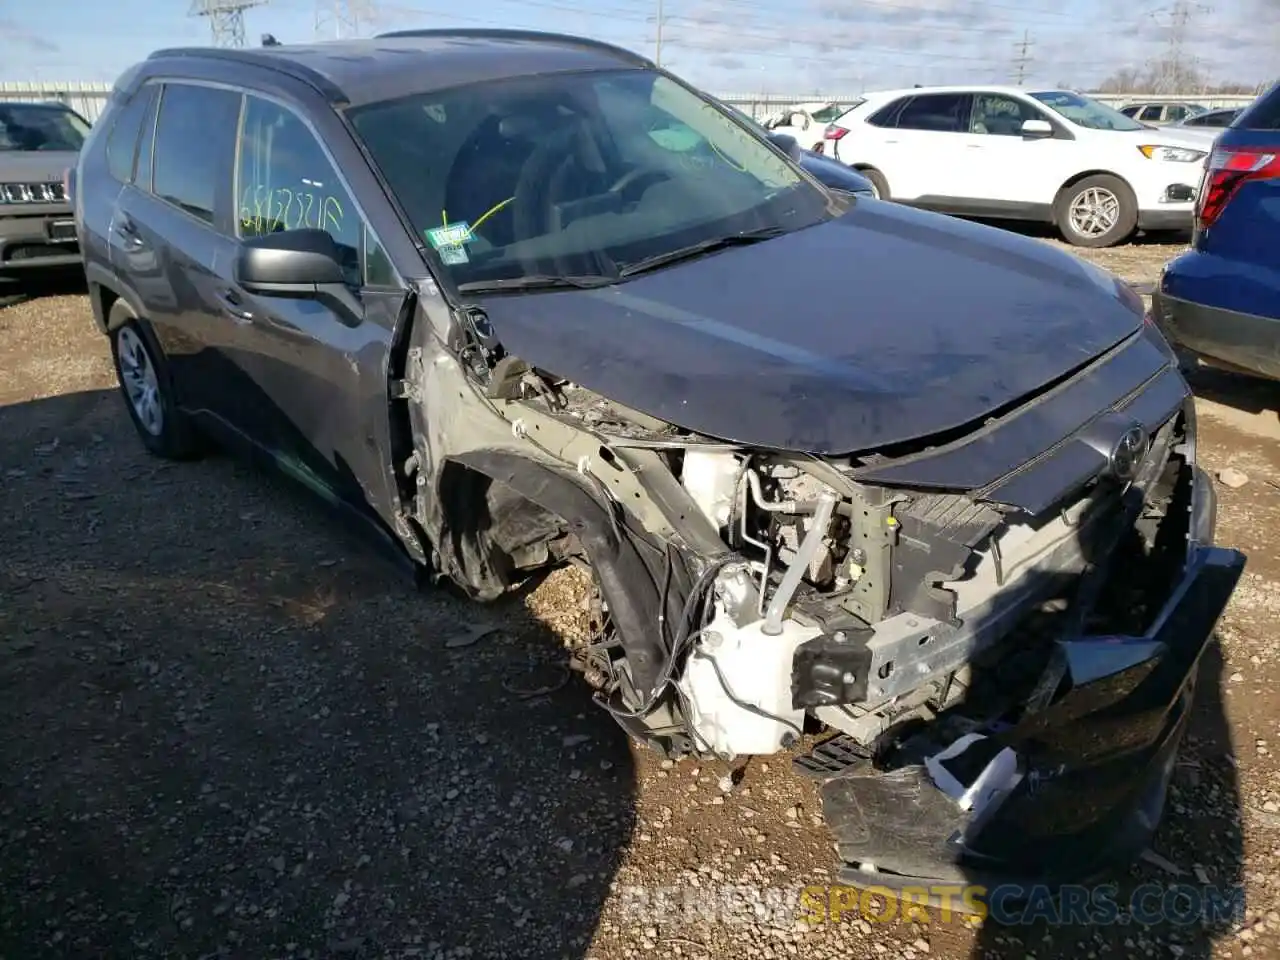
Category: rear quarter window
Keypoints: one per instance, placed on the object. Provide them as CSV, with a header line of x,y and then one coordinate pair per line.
x,y
122,140
1263,113
887,116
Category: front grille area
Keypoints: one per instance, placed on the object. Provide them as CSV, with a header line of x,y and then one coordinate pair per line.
x,y
36,251
44,192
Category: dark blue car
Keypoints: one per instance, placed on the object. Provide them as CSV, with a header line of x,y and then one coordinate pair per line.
x,y
1221,300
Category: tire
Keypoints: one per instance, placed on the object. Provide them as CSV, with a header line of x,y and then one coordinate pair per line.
x,y
878,183
147,389
1098,211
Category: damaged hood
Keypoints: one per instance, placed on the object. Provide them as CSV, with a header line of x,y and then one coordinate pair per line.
x,y
882,326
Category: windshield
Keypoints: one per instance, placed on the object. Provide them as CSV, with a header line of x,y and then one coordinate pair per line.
x,y
1087,113
30,126
577,175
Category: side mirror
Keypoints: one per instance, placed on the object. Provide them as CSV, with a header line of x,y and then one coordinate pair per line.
x,y
1037,128
303,264
788,145
289,263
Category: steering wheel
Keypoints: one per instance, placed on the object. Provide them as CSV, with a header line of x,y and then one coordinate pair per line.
x,y
532,207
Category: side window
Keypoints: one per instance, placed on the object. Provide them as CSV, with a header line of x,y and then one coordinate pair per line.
x,y
122,141
378,271
1130,111
937,113
887,116
286,182
1263,113
194,140
1151,114
1177,113
1000,116
147,142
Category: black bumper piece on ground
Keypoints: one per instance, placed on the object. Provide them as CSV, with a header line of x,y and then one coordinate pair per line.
x,y
1095,764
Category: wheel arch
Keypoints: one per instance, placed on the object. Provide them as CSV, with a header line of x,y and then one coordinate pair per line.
x,y
105,291
1098,172
871,168
630,568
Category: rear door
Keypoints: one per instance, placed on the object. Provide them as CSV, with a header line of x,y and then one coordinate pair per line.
x,y
921,150
171,227
311,367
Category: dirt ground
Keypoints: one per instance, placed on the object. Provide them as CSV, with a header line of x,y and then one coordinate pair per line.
x,y
230,729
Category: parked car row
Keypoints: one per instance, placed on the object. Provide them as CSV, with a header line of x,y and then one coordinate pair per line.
x,y
1038,155
520,299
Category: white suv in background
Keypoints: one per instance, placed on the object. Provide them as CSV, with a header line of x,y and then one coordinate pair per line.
x,y
1004,152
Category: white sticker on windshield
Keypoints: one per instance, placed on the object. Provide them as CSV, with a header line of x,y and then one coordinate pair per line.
x,y
453,255
436,112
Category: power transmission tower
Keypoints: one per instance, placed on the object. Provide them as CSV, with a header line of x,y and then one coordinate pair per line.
x,y
226,19
1023,58
657,47
1174,69
342,18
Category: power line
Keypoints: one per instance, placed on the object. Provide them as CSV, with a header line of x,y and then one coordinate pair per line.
x,y
1023,58
226,19
1175,69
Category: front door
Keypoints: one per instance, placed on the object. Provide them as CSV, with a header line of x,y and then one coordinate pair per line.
x,y
313,366
1015,175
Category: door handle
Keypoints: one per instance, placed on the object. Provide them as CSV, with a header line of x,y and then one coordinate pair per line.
x,y
125,229
233,307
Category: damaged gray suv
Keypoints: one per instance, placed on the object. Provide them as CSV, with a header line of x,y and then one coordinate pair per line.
x,y
524,299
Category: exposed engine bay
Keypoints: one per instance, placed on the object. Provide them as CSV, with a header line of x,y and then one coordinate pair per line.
x,y
868,609
814,599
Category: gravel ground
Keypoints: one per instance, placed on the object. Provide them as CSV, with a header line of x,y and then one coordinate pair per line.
x,y
234,730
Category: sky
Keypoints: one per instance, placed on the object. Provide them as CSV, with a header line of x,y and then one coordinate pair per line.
x,y
724,46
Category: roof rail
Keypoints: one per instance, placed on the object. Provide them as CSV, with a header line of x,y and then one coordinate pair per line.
x,y
500,33
279,64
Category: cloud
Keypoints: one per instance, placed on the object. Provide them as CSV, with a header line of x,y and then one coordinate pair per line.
x,y
844,46
17,34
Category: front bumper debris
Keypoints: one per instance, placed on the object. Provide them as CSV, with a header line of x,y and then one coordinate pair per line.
x,y
1092,767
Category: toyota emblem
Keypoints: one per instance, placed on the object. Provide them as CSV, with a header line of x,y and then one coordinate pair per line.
x,y
1126,455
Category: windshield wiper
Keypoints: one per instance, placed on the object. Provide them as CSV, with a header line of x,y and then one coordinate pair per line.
x,y
699,249
536,282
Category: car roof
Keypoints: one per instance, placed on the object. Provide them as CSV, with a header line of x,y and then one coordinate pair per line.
x,y
420,61
955,88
